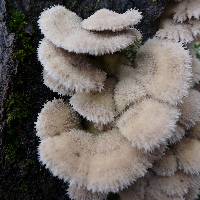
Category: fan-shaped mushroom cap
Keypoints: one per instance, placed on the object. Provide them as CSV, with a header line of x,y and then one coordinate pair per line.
x,y
190,110
155,187
188,156
187,9
178,134
81,193
54,118
177,32
148,124
55,85
107,20
176,185
167,166
128,90
103,163
96,107
63,28
75,72
164,68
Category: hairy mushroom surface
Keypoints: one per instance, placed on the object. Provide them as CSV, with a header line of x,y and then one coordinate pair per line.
x,y
167,166
177,32
186,10
103,163
190,109
75,72
114,21
128,91
188,156
148,124
81,193
63,28
164,68
55,85
55,117
96,107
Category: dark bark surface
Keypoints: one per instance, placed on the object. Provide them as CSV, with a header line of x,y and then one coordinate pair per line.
x,y
22,92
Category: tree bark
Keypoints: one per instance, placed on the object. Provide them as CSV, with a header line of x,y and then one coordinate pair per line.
x,y
22,92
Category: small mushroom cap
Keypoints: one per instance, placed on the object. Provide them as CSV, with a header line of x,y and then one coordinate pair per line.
x,y
63,28
128,91
176,185
76,73
177,32
55,85
164,68
167,166
96,107
81,193
186,10
103,163
190,109
54,118
107,20
148,124
188,156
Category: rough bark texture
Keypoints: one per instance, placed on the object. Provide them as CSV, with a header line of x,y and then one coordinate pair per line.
x,y
22,95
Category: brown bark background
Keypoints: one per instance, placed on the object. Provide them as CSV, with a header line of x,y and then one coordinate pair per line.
x,y
22,92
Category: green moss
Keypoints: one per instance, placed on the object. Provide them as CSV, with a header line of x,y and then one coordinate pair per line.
x,y
17,24
17,21
197,49
17,108
10,153
23,187
130,52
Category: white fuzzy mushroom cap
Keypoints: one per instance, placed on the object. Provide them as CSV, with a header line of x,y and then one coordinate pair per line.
x,y
164,68
81,193
188,156
148,124
75,72
167,166
152,187
107,20
187,10
55,85
54,118
63,28
96,107
128,90
190,110
177,32
176,185
103,163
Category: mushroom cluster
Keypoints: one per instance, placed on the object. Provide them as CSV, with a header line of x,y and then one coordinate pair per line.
x,y
176,175
121,116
